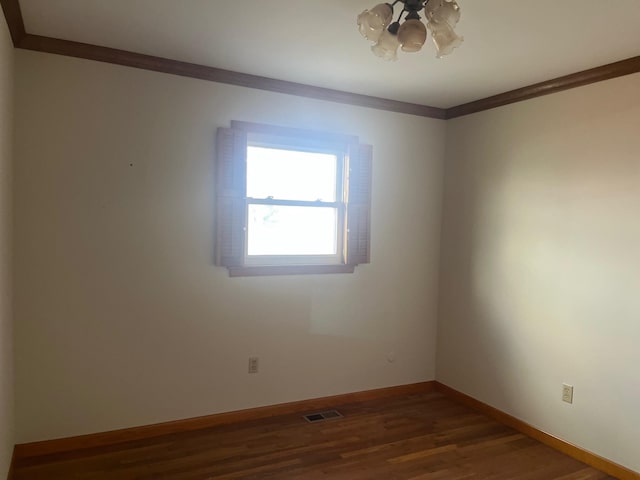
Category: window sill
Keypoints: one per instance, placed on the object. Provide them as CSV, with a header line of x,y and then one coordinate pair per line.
x,y
289,270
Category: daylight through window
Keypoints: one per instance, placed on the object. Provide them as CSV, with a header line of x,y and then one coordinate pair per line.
x,y
291,201
294,205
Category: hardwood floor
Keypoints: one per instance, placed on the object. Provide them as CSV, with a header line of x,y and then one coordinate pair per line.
x,y
416,437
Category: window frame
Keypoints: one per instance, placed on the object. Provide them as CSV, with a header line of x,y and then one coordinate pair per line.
x,y
353,199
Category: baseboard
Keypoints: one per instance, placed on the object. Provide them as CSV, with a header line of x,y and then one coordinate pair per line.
x,y
71,444
567,448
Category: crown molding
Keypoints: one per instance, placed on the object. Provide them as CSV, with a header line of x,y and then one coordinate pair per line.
x,y
202,72
24,40
13,15
593,75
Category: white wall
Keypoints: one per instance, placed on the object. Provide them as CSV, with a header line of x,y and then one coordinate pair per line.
x,y
6,335
121,318
540,275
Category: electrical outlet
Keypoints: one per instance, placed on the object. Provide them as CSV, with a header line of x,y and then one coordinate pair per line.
x,y
567,393
253,364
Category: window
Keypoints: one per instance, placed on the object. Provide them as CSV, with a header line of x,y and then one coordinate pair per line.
x,y
291,201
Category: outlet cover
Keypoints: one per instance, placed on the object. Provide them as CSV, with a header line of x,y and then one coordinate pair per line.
x,y
567,393
253,364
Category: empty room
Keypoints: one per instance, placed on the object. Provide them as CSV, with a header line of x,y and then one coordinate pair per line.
x,y
338,240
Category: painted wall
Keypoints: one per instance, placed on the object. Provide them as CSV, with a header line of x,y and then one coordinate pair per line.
x,y
6,320
540,268
121,318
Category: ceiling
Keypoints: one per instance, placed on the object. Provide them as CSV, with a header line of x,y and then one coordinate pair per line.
x,y
508,43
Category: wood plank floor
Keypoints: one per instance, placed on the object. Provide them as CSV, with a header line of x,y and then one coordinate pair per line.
x,y
417,437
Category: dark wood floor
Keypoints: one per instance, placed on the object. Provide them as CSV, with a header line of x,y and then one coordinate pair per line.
x,y
418,437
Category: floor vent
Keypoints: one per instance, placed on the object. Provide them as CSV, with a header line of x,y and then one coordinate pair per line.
x,y
321,416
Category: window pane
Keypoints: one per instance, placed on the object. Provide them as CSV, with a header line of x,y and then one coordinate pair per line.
x,y
291,174
284,230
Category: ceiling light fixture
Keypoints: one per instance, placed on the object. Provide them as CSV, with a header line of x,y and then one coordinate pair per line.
x,y
442,16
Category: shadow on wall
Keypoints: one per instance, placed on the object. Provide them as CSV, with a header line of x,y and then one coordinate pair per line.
x,y
539,279
475,343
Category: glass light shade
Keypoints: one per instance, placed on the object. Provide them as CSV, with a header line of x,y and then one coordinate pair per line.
x,y
431,7
387,46
412,35
440,11
444,38
372,23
